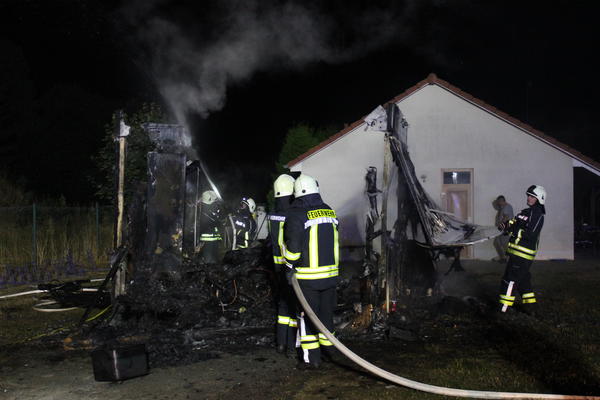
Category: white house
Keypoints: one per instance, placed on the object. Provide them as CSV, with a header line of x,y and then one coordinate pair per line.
x,y
465,153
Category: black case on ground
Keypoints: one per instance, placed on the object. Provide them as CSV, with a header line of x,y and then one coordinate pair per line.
x,y
119,363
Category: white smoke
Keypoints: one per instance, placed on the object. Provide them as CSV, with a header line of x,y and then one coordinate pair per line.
x,y
193,76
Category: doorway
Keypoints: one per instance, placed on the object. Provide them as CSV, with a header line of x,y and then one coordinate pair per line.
x,y
457,197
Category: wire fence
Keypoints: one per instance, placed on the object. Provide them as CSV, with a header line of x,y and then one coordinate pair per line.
x,y
40,244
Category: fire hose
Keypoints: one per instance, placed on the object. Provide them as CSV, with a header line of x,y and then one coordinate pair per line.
x,y
475,394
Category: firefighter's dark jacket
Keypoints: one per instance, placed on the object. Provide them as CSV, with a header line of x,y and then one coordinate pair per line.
x,y
210,220
276,223
311,242
525,231
244,227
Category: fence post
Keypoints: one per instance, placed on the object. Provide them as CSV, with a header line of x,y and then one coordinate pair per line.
x,y
34,236
97,230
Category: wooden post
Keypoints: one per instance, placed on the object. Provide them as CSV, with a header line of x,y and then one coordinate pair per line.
x,y
122,132
34,235
382,272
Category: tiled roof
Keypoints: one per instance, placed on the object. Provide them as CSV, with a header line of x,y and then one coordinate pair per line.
x,y
432,79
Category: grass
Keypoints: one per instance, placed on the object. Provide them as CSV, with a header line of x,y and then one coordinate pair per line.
x,y
68,241
558,352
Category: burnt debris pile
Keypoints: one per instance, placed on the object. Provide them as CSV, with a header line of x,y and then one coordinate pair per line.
x,y
209,307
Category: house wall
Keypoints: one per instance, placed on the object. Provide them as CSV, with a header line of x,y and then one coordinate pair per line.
x,y
340,169
447,132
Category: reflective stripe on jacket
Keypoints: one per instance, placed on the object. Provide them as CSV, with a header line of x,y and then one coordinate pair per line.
x,y
311,239
525,231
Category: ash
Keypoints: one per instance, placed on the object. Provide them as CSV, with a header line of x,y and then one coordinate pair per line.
x,y
206,309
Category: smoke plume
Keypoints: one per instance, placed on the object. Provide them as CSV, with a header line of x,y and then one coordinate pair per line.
x,y
194,61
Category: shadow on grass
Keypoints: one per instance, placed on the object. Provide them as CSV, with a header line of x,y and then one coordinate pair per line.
x,y
559,365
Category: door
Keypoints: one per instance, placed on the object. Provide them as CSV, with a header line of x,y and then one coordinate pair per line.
x,y
457,197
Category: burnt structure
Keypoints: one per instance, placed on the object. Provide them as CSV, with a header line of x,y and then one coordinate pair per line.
x,y
407,263
179,307
174,188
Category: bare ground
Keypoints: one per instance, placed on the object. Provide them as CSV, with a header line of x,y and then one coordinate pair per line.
x,y
455,342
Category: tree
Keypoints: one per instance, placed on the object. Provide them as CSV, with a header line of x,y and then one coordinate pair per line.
x,y
299,139
138,146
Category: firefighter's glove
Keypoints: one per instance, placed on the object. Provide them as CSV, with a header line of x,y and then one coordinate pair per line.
x,y
289,273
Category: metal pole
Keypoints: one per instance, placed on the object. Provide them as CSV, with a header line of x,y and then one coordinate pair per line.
x,y
34,235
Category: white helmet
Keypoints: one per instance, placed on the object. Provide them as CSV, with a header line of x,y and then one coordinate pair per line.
x,y
305,185
209,197
283,186
250,203
538,192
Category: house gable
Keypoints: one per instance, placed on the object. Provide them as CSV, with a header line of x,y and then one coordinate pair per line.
x,y
578,158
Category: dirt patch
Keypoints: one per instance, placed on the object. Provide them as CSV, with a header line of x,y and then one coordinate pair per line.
x,y
450,341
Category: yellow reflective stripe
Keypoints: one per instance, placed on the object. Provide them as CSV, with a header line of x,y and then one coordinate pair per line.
x,y
278,260
519,254
336,246
307,270
528,295
317,276
308,338
313,246
293,323
325,342
521,248
310,346
505,297
289,255
280,236
529,301
283,320
508,303
519,236
313,214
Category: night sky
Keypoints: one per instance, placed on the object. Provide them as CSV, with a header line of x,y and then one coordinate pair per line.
x,y
66,66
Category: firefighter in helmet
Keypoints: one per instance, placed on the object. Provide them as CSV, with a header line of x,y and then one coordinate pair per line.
x,y
210,222
287,322
524,231
312,253
244,224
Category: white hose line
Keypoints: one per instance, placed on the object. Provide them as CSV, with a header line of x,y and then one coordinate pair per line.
x,y
7,296
475,394
38,306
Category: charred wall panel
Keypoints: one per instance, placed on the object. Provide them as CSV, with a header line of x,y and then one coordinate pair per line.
x,y
193,194
165,211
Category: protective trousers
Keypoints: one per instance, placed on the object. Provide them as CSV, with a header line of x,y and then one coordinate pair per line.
x,y
210,251
287,319
516,280
323,303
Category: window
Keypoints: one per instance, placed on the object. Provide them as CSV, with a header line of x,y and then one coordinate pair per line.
x,y
457,177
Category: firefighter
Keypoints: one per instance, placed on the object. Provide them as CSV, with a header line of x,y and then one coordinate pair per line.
x,y
524,231
312,252
210,221
287,322
244,224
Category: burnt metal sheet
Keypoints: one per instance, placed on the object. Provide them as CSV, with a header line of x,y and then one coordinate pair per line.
x,y
193,194
165,211
170,138
440,228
